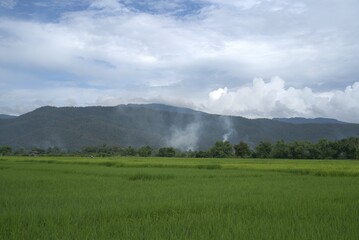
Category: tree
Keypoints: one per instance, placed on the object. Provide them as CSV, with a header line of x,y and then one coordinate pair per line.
x,y
129,151
347,148
5,151
145,151
19,152
166,152
326,149
222,149
280,150
297,150
89,151
104,151
242,150
53,151
314,152
36,151
263,150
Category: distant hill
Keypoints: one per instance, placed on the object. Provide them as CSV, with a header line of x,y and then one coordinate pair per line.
x,y
155,125
163,107
4,116
299,120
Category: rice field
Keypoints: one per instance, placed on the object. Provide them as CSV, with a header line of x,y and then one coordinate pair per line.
x,y
170,198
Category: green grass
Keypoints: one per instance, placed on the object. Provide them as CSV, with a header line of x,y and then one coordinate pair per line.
x,y
166,198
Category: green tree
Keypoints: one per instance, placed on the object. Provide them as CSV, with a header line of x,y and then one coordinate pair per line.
x,y
53,151
242,150
20,152
89,151
222,149
145,151
263,150
36,151
298,150
347,148
115,151
166,152
280,150
313,151
326,149
5,151
129,151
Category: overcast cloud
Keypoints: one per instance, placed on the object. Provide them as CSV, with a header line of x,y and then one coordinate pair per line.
x,y
253,58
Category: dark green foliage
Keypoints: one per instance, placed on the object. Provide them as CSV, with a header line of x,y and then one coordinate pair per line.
x,y
129,151
150,177
20,152
166,152
5,151
209,166
297,150
101,151
222,149
280,150
145,151
324,149
348,148
263,150
242,150
53,151
36,151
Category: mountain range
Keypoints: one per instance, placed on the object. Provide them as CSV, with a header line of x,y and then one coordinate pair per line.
x,y
300,120
5,116
155,125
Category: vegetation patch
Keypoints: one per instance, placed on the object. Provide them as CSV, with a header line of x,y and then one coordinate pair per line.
x,y
253,175
209,166
245,199
150,177
320,173
107,164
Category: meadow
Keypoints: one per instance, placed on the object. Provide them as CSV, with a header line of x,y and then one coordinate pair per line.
x,y
178,198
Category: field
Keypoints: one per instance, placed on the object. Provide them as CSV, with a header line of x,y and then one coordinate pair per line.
x,y
168,198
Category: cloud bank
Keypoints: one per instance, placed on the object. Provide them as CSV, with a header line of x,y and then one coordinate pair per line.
x,y
200,54
274,99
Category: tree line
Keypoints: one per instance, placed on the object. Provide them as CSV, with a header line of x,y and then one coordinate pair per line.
x,y
323,149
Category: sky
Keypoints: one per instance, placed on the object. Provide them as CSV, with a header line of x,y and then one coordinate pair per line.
x,y
250,58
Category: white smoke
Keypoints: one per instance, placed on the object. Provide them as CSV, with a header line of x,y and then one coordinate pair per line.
x,y
185,139
226,136
227,124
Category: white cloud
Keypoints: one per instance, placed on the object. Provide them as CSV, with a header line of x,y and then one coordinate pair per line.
x,y
260,99
217,94
274,99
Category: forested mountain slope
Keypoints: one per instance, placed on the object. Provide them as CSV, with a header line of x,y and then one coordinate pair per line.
x,y
155,125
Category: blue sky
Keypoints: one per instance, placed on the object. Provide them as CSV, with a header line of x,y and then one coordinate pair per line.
x,y
253,58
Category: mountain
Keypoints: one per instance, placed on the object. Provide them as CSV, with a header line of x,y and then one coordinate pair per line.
x,y
299,120
4,116
166,108
155,125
